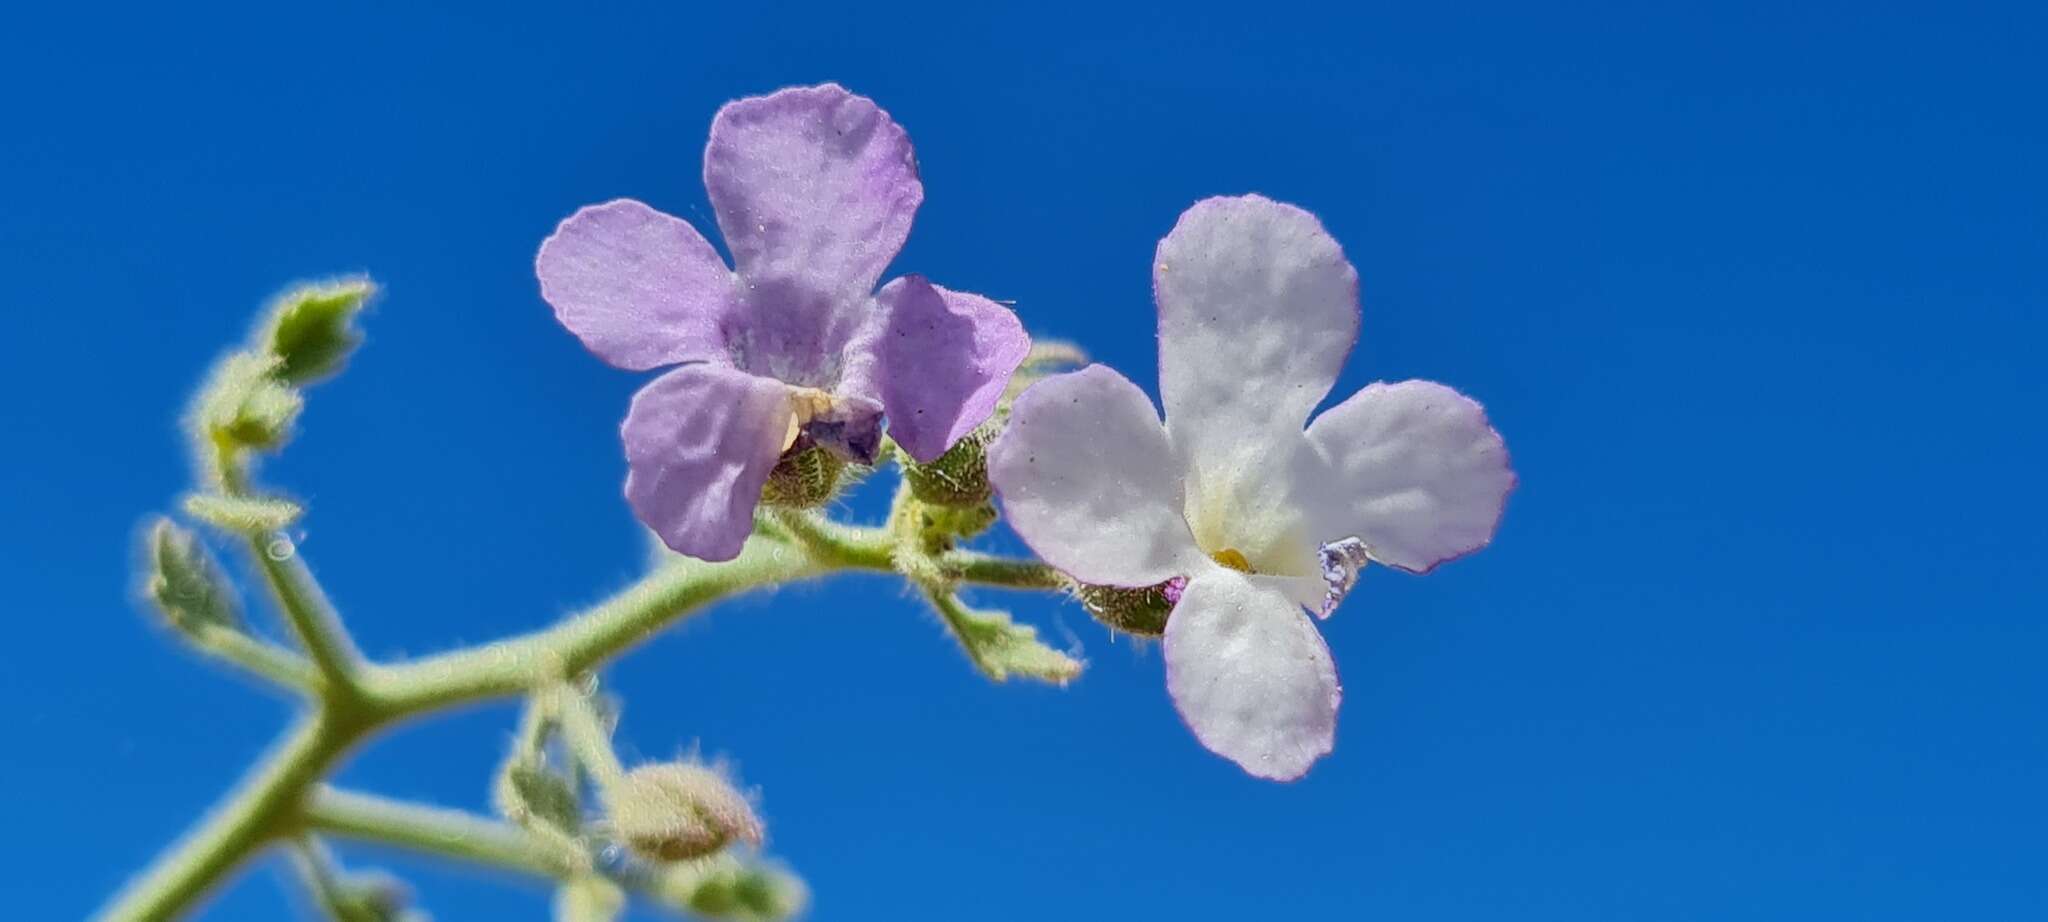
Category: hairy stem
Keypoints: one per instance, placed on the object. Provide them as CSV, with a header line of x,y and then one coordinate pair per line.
x,y
480,840
298,594
361,698
585,733
517,665
254,813
875,549
234,830
438,831
279,667
306,607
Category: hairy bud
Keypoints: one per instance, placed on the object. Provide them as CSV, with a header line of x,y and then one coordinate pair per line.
x,y
244,404
739,892
374,896
957,478
311,330
807,477
677,811
185,583
1140,611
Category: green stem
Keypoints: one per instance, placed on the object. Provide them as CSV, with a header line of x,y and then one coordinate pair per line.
x,y
874,549
514,666
375,697
585,733
480,840
279,667
1001,572
312,617
241,824
438,831
298,594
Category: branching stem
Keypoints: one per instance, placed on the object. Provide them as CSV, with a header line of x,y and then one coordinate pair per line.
x,y
269,803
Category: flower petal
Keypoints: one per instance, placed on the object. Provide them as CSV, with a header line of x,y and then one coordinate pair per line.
x,y
700,442
1257,310
641,288
1250,675
813,184
943,358
1088,480
1416,471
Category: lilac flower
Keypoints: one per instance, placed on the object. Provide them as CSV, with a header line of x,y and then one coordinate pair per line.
x,y
1257,310
814,189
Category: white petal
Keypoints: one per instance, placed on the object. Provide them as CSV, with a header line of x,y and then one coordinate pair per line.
x,y
1257,310
1415,471
1250,675
1089,481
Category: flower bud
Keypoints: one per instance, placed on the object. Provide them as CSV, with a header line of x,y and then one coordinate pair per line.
x,y
807,477
244,404
957,478
739,892
678,811
528,792
185,583
311,330
1141,611
943,524
374,896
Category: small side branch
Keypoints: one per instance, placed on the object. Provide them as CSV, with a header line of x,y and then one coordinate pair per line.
x,y
438,831
263,660
306,608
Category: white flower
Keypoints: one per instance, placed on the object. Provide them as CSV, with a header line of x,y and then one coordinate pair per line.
x,y
1258,309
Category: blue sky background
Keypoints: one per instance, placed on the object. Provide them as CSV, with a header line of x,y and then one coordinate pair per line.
x,y
1754,293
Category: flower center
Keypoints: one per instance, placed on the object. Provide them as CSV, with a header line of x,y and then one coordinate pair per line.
x,y
805,404
1233,558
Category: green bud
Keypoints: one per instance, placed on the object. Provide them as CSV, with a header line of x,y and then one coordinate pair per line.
x,y
244,514
311,329
949,522
185,583
530,793
244,404
1139,611
374,896
589,899
678,811
807,477
738,892
960,476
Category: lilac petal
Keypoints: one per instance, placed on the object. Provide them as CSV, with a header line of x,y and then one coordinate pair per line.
x,y
1088,481
1257,310
1250,675
813,186
700,442
944,358
1416,472
642,289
